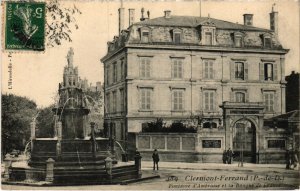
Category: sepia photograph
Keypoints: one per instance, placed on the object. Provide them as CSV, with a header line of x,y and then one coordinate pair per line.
x,y
150,94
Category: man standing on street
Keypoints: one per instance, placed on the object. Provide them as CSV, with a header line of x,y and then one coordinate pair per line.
x,y
229,155
155,158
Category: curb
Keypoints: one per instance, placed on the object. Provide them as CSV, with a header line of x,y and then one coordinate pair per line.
x,y
125,182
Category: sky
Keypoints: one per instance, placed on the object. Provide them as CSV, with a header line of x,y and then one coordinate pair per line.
x,y
36,75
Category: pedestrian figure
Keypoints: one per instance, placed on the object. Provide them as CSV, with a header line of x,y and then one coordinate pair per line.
x,y
229,156
155,158
294,159
288,159
224,157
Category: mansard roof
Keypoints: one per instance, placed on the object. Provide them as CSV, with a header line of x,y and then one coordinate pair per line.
x,y
192,21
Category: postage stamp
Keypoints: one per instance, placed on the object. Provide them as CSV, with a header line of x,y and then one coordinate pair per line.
x,y
25,26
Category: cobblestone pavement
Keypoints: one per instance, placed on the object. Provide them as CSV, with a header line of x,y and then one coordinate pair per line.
x,y
194,176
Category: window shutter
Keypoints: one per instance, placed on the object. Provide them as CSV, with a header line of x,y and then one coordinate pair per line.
x,y
212,71
246,71
141,98
246,97
276,102
148,68
180,69
173,100
206,101
206,69
261,71
173,68
232,96
232,70
275,71
148,99
212,101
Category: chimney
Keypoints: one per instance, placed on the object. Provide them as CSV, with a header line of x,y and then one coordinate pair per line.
x,y
142,12
121,19
248,19
131,16
274,20
167,14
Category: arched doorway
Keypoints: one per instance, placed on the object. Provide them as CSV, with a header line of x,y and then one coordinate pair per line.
x,y
244,141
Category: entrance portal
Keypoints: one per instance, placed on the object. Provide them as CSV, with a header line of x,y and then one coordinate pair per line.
x,y
244,141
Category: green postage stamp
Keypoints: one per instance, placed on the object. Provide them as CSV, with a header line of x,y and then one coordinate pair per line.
x,y
25,26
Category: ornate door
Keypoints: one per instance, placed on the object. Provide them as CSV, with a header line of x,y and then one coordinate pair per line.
x,y
244,141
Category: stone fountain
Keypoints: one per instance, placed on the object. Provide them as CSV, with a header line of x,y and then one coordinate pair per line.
x,y
74,155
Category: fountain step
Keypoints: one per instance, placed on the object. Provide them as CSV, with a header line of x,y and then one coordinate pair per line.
x,y
77,174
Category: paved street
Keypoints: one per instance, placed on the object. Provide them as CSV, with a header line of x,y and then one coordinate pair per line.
x,y
179,176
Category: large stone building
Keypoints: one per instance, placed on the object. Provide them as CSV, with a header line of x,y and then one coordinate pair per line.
x,y
221,78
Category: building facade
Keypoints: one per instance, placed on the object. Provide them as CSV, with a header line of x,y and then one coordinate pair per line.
x,y
221,78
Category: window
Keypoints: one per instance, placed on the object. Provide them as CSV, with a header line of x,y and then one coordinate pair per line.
x,y
269,101
209,100
108,75
177,69
145,36
240,97
208,69
145,98
107,105
177,38
178,100
122,69
208,38
268,69
267,42
115,72
239,71
238,41
114,102
145,68
121,101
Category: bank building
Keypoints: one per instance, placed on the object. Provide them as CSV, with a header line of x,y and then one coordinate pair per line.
x,y
193,87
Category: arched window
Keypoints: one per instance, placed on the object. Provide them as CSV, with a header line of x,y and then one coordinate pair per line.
x,y
240,97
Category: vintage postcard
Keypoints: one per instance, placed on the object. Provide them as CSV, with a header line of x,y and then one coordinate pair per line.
x,y
150,95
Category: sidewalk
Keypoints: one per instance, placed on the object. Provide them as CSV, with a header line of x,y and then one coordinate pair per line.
x,y
209,166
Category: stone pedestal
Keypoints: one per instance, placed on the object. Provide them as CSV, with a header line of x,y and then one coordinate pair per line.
x,y
50,170
108,168
7,163
138,165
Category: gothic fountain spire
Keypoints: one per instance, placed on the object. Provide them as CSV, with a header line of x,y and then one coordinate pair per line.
x,y
70,57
